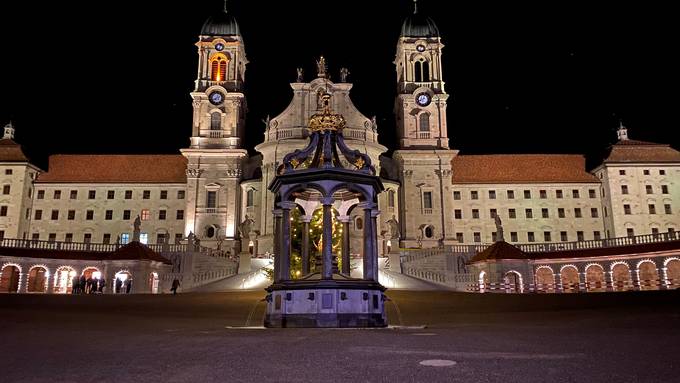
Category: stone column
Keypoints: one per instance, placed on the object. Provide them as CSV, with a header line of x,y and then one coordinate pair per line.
x,y
369,242
305,243
374,228
23,279
284,250
277,244
327,250
345,244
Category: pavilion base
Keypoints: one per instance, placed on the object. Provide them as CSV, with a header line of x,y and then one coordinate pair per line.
x,y
328,304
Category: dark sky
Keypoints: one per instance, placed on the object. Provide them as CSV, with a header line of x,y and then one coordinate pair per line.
x,y
115,77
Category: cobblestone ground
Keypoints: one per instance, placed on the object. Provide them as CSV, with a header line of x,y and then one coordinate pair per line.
x,y
630,337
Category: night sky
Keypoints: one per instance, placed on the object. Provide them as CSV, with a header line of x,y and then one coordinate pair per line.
x,y
115,77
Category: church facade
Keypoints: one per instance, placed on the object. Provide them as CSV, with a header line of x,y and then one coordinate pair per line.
x,y
433,195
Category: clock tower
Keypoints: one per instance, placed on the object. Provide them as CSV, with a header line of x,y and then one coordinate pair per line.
x,y
215,155
423,157
420,106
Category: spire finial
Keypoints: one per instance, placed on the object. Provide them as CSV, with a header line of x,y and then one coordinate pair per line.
x,y
9,131
622,132
415,6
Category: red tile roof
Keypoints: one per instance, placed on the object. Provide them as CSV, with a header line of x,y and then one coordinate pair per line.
x,y
499,250
520,168
10,151
116,168
632,151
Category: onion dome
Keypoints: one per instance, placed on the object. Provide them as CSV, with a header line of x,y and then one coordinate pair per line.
x,y
221,24
419,25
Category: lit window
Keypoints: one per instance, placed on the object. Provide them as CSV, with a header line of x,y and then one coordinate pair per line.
x,y
144,238
146,214
218,68
124,238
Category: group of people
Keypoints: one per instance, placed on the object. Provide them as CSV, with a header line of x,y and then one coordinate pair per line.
x,y
88,285
123,286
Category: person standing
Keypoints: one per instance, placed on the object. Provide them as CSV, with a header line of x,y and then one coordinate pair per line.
x,y
119,284
128,286
175,285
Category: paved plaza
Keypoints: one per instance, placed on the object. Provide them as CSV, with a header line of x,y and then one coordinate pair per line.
x,y
200,337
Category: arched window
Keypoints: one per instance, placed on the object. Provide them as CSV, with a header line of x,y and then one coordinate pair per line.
x,y
218,68
422,70
250,197
216,121
424,122
390,198
419,71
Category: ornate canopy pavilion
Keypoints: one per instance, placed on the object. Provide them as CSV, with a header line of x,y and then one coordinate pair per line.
x,y
328,175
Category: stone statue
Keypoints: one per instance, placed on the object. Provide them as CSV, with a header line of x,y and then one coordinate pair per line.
x,y
191,238
393,228
246,227
321,67
300,75
374,123
137,229
499,229
267,122
343,74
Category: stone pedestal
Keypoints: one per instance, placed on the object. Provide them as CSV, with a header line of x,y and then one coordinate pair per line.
x,y
326,303
395,262
244,263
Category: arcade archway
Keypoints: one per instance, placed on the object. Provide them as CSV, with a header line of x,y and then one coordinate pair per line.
x,y
37,280
9,280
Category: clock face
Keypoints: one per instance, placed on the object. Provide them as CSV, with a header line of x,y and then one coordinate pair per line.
x,y
219,46
423,99
216,98
421,48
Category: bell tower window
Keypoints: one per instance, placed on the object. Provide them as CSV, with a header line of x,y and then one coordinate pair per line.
x,y
218,68
422,70
216,121
424,122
